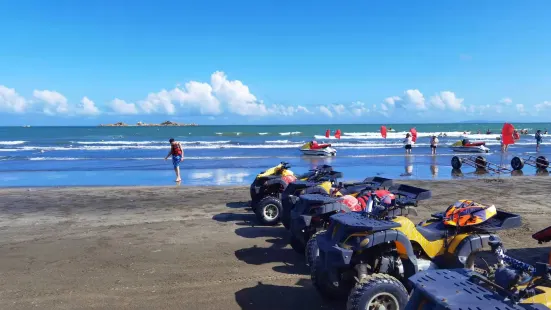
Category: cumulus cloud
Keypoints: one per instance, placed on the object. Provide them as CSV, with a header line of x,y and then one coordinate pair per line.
x,y
198,96
11,101
415,99
447,100
160,102
54,102
339,109
301,109
237,96
359,108
543,106
88,107
120,106
391,101
520,109
325,111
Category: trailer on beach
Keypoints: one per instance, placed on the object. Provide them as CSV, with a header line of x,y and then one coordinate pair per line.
x,y
479,163
540,162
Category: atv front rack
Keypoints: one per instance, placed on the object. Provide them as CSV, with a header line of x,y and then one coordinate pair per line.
x,y
409,194
457,289
502,220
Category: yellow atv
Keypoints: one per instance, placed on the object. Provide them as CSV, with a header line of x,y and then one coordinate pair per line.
x,y
358,252
268,185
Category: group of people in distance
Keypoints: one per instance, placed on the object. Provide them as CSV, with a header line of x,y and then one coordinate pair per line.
x,y
408,141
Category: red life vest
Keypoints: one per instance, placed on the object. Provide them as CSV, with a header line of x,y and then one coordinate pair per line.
x,y
176,150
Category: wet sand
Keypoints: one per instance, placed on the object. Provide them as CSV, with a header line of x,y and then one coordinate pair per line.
x,y
190,247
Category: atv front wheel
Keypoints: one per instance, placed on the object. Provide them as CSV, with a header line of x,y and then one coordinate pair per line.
x,y
327,289
268,210
378,291
312,251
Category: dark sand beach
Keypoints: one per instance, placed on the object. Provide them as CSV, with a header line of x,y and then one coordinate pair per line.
x,y
190,247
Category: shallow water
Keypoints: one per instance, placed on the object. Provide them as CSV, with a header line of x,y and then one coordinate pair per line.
x,y
224,155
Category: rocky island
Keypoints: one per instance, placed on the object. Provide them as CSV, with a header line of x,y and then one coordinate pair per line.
x,y
140,124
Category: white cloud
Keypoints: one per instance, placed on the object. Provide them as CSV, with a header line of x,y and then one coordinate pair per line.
x,y
197,96
324,110
122,107
520,109
447,100
236,96
160,102
88,107
384,107
391,101
358,108
55,103
542,106
339,109
302,109
11,101
415,98
506,101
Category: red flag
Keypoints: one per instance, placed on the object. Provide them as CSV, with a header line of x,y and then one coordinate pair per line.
x,y
413,134
507,134
383,131
338,134
327,133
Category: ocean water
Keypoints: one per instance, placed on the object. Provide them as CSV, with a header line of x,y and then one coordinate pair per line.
x,y
232,155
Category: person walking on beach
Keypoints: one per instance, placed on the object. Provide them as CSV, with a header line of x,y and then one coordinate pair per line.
x,y
538,140
433,144
408,141
177,156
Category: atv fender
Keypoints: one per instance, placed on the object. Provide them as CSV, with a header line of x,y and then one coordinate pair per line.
x,y
274,183
409,260
467,246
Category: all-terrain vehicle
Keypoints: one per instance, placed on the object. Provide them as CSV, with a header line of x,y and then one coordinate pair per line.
x,y
512,285
328,187
358,251
542,236
311,215
267,187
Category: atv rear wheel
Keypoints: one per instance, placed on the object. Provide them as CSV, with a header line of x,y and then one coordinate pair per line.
x,y
320,280
378,292
542,162
268,210
517,163
312,251
456,163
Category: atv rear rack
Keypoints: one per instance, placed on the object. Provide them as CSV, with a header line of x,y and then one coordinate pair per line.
x,y
456,289
374,182
410,193
502,220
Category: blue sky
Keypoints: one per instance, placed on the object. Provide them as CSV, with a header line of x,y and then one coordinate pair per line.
x,y
238,62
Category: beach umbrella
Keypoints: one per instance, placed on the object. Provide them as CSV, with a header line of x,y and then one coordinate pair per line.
x,y
338,134
413,134
383,131
507,134
327,133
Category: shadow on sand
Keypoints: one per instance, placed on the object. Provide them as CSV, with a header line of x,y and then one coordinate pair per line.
x,y
267,297
238,205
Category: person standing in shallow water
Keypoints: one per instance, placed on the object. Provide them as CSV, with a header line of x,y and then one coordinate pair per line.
x,y
408,141
433,144
177,153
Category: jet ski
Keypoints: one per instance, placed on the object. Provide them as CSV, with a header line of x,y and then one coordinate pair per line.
x,y
316,149
466,146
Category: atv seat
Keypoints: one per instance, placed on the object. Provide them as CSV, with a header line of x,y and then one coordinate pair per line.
x,y
433,231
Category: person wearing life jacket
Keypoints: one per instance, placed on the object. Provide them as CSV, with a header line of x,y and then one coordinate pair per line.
x,y
177,153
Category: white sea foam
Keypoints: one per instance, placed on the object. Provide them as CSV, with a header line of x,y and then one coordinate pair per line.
x,y
11,142
293,133
262,133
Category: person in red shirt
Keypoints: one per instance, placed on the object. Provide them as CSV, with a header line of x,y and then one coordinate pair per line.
x,y
177,153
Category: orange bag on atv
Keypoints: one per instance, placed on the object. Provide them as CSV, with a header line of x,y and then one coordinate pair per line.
x,y
467,213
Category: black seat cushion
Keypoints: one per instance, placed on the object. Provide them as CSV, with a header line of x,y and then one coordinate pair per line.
x,y
433,231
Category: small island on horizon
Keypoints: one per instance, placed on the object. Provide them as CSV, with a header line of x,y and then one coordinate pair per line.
x,y
141,124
